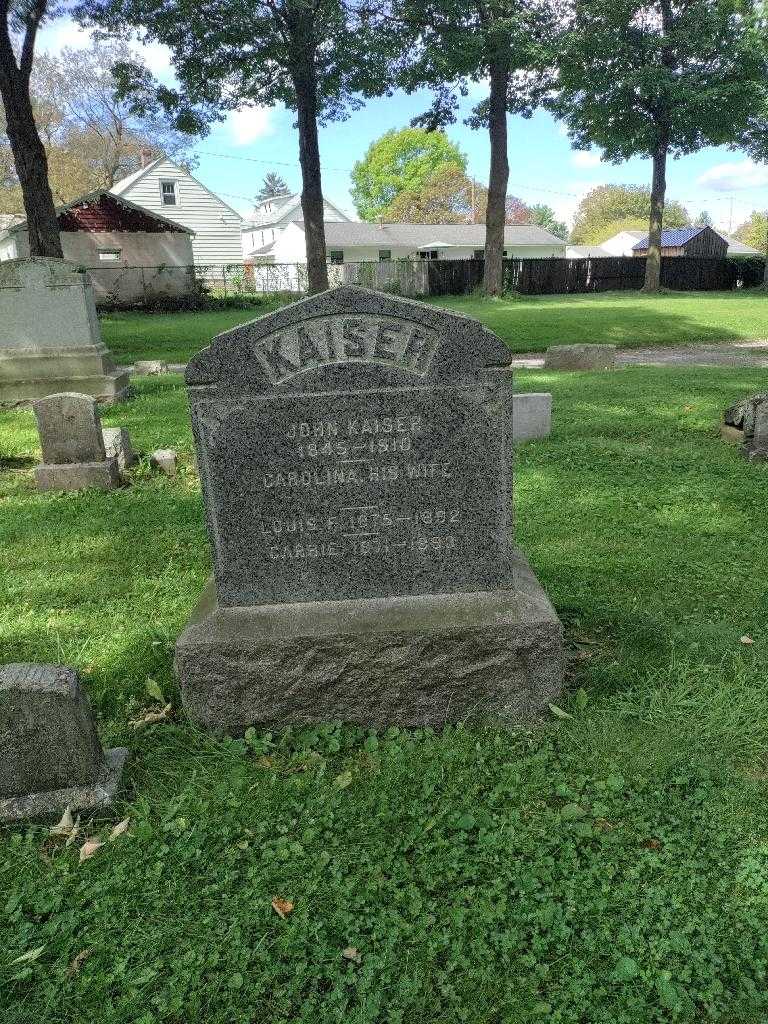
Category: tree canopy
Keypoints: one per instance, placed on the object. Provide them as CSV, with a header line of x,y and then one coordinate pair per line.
x,y
272,185
658,79
316,57
545,217
754,231
92,137
402,161
608,209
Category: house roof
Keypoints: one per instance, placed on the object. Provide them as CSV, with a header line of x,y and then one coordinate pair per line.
x,y
583,251
672,238
92,197
125,183
259,218
737,248
422,236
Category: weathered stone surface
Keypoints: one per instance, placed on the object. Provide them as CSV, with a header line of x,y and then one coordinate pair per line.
x,y
732,435
49,334
531,416
50,754
103,475
164,459
413,661
757,449
117,445
580,357
742,414
69,428
149,367
355,455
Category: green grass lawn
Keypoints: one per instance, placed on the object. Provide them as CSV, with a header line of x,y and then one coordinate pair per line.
x,y
610,867
627,319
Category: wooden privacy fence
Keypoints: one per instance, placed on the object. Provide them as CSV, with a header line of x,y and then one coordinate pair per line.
x,y
554,276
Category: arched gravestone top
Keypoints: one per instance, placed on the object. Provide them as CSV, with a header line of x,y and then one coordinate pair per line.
x,y
353,335
355,445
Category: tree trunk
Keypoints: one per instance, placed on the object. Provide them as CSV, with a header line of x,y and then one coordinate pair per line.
x,y
30,160
493,276
765,269
312,207
658,194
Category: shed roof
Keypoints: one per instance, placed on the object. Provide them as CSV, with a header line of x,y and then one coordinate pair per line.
x,y
672,238
98,196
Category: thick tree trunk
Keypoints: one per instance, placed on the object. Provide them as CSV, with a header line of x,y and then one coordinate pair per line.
x,y
312,206
493,277
658,194
29,158
765,269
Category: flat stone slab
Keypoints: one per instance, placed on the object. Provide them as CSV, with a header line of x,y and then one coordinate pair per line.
x,y
493,656
580,357
103,475
49,806
531,415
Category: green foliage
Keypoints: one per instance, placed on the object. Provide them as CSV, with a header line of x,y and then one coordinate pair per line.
x,y
704,220
608,209
544,216
608,867
447,196
401,161
754,231
633,74
273,185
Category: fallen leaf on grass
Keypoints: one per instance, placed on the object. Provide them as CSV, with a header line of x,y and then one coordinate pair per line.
x,y
150,717
343,780
352,954
154,690
558,712
119,829
652,844
747,640
282,907
65,826
77,963
603,824
89,847
28,957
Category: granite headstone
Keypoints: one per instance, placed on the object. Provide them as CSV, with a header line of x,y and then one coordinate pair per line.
x,y
50,340
50,754
355,453
72,444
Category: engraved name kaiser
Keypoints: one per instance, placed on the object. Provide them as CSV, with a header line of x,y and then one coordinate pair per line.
x,y
346,339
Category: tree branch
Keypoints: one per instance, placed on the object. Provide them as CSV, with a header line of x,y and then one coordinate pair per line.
x,y
36,15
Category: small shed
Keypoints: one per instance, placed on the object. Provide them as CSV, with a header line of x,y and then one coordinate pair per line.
x,y
702,242
131,254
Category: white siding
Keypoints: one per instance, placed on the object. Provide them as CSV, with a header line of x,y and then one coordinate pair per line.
x,y
291,248
257,235
217,227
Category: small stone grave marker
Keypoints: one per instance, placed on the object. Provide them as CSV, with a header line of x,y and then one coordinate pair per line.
x,y
355,454
50,754
72,443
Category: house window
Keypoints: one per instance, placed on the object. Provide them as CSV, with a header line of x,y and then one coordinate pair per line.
x,y
168,193
428,254
109,255
384,255
336,255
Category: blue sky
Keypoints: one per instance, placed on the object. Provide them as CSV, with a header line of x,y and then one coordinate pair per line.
x,y
238,152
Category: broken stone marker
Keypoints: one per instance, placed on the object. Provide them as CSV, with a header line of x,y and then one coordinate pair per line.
x,y
149,367
738,425
580,357
164,459
73,445
117,445
50,754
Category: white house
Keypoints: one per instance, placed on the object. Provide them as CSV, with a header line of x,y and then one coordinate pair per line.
x,y
621,244
582,252
268,220
164,187
363,241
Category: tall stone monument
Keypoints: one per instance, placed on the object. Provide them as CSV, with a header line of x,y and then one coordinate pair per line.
x,y
355,453
50,339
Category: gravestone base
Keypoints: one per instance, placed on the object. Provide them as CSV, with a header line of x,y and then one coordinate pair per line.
x,y
84,373
493,656
51,805
77,476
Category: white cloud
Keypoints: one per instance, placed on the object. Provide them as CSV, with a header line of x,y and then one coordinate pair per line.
x,y
249,124
585,158
728,177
